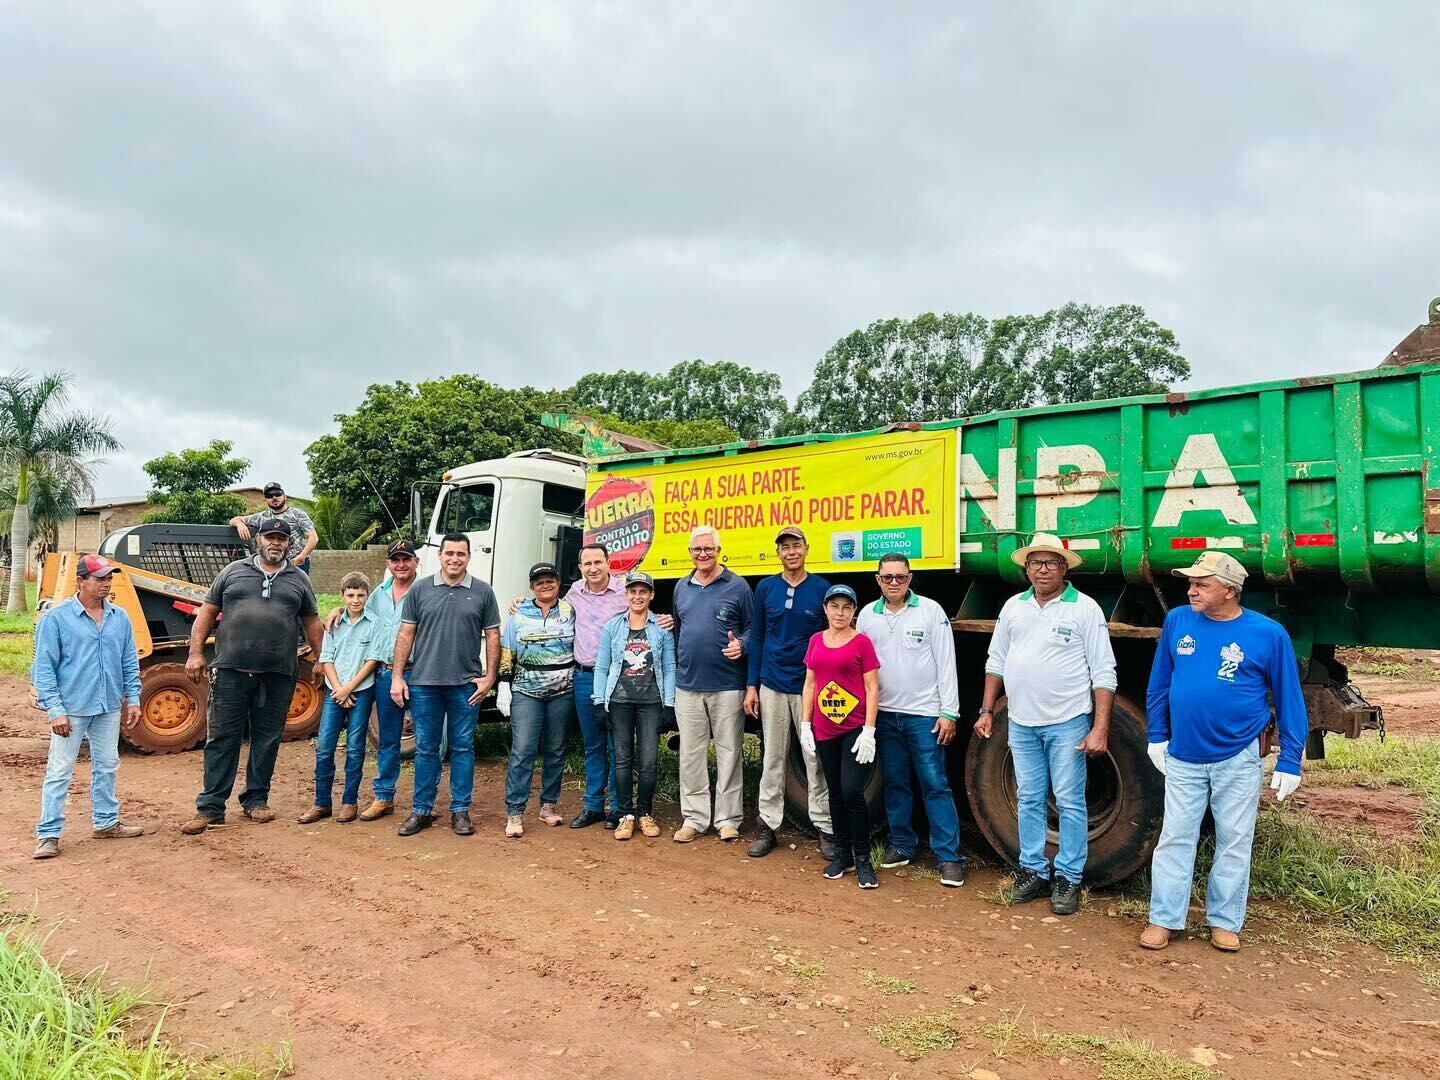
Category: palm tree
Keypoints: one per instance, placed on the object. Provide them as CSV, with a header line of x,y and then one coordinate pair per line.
x,y
53,502
340,527
36,437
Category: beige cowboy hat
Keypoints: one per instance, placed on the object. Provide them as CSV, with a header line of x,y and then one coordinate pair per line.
x,y
1047,542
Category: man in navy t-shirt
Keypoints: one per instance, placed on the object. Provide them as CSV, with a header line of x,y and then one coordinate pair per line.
x,y
1217,670
789,611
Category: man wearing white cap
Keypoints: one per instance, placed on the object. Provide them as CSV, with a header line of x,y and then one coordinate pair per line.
x,y
1050,652
1218,667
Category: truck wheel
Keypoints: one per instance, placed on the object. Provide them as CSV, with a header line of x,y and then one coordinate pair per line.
x,y
303,719
407,734
1125,795
797,793
172,710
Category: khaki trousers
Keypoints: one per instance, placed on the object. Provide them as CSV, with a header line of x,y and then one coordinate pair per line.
x,y
779,721
702,717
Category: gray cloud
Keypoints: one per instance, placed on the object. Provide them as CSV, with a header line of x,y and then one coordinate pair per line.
x,y
229,219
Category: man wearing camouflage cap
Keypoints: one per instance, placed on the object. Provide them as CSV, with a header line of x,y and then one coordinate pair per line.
x,y
1218,667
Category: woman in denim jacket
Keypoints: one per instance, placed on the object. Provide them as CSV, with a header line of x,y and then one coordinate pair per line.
x,y
634,690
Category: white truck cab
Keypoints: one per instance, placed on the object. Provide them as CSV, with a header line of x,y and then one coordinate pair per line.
x,y
518,510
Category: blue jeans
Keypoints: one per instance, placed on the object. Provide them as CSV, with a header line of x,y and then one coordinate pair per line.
x,y
906,742
538,728
438,711
355,722
1231,789
1045,759
391,721
103,732
599,746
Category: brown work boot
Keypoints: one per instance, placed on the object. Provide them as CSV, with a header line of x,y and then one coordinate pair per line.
x,y
377,809
47,848
259,813
626,828
348,813
649,826
1156,937
199,823
314,814
118,831
1224,940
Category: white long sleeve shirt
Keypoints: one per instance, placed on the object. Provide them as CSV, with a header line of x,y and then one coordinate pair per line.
x,y
916,646
1051,657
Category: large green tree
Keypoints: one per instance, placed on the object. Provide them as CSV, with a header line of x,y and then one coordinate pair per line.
x,y
189,487
400,433
936,367
38,436
746,401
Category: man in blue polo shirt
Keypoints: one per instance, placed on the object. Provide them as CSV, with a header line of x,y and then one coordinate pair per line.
x,y
789,611
1217,669
713,607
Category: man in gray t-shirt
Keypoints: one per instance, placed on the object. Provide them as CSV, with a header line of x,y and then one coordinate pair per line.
x,y
303,536
445,621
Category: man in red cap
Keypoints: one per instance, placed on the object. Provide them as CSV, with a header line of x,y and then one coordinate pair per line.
x,y
86,672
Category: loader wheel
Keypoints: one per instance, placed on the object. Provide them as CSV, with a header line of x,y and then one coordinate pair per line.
x,y
407,734
172,710
303,719
1124,793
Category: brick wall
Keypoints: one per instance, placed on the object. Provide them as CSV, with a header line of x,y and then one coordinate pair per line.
x,y
328,567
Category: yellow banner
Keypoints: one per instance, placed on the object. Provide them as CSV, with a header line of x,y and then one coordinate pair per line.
x,y
855,500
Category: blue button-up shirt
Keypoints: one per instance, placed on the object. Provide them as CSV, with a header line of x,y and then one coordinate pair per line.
x,y
349,646
385,609
83,668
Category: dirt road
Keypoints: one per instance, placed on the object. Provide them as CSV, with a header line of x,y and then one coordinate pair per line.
x,y
569,954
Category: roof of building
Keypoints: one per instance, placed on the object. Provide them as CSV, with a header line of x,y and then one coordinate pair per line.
x,y
109,501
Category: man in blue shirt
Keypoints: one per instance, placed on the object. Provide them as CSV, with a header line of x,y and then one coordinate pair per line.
x,y
1217,669
713,607
789,611
86,668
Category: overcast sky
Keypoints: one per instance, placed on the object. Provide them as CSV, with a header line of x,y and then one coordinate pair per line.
x,y
228,219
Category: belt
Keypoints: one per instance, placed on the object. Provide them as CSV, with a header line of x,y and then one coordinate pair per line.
x,y
586,667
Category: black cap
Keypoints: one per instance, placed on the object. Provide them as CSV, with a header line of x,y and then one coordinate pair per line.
x,y
639,577
544,569
273,525
273,488
400,547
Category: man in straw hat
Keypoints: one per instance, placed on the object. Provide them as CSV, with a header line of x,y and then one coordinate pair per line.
x,y
1218,667
1051,652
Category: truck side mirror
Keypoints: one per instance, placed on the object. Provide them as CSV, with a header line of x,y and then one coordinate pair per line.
x,y
415,527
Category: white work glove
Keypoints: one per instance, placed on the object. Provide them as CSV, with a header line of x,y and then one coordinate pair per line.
x,y
1157,754
807,740
865,746
1284,784
502,699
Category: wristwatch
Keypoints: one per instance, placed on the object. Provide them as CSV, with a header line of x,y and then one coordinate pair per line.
x,y
986,712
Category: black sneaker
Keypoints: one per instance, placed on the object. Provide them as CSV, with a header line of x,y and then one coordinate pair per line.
x,y
1064,896
1027,886
893,858
827,846
866,878
952,874
836,868
611,821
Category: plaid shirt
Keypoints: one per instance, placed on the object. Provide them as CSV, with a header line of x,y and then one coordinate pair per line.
x,y
592,611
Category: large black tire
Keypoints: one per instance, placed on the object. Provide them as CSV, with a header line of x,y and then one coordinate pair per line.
x,y
797,793
172,710
407,734
1125,795
303,719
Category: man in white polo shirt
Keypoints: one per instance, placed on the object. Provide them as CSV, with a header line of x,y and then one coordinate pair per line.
x,y
1050,650
919,704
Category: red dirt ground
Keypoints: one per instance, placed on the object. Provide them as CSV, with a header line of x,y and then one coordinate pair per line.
x,y
569,954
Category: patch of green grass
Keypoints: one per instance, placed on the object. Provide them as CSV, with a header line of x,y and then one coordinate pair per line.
x,y
916,1036
887,984
16,653
1403,761
806,971
1117,1057
1389,671
56,1027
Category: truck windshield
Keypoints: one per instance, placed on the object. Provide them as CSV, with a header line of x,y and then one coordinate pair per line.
x,y
468,509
